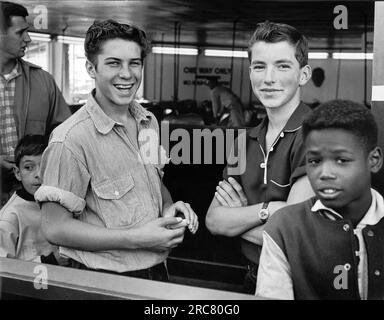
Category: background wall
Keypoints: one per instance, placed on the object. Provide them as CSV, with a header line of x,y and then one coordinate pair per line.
x,y
343,78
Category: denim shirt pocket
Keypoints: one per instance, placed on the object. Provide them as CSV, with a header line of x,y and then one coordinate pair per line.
x,y
118,202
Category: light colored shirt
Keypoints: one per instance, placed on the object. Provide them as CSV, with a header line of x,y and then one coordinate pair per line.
x,y
20,232
93,169
8,127
274,275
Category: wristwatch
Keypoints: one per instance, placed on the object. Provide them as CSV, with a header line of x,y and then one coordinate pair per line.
x,y
264,213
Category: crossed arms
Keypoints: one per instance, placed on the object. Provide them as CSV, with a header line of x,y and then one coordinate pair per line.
x,y
230,215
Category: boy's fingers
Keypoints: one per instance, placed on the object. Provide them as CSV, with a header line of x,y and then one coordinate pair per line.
x,y
224,195
238,189
194,219
227,187
221,200
181,207
165,221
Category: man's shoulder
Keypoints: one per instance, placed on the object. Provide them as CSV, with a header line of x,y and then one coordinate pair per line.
x,y
37,72
32,66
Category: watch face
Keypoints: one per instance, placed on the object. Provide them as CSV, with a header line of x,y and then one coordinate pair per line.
x,y
264,214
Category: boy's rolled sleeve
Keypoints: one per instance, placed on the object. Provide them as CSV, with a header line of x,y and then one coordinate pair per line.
x,y
65,178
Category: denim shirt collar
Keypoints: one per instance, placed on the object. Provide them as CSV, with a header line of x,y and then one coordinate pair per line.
x,y
105,124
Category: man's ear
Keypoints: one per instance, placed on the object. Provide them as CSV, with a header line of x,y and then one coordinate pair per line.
x,y
305,74
375,159
16,172
91,69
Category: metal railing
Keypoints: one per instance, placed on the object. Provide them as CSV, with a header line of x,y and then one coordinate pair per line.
x,y
41,281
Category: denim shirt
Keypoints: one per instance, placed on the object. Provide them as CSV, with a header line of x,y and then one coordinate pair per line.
x,y
92,168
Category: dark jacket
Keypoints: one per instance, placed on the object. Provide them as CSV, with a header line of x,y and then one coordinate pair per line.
x,y
316,247
39,104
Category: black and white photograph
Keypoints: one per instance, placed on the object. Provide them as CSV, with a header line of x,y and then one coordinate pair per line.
x,y
203,153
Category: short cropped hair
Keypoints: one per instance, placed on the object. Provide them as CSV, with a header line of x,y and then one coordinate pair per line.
x,y
271,32
9,10
101,31
346,115
30,145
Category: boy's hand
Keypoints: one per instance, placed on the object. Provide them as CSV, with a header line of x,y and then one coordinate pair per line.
x,y
6,162
230,194
183,210
157,236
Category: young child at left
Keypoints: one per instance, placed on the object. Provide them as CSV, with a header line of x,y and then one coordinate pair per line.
x,y
20,218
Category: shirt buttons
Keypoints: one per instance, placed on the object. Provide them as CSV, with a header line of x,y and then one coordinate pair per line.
x,y
262,165
282,135
370,233
347,266
346,227
117,193
271,149
377,272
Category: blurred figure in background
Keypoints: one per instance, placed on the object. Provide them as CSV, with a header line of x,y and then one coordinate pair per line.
x,y
225,101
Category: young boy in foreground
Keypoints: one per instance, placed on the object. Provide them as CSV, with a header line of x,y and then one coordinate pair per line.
x,y
20,219
332,245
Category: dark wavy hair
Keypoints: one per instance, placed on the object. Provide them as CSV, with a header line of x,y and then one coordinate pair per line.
x,y
101,31
271,32
346,115
9,10
30,145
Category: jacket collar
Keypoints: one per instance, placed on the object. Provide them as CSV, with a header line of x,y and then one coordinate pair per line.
x,y
374,214
293,124
26,64
105,124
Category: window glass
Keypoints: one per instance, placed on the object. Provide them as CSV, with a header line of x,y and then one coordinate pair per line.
x,y
38,53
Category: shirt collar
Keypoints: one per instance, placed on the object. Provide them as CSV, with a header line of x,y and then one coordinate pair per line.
x,y
374,214
103,123
24,194
293,124
14,73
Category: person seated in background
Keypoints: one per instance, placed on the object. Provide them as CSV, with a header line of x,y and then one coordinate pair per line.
x,y
273,153
224,100
315,94
30,101
332,245
20,218
103,199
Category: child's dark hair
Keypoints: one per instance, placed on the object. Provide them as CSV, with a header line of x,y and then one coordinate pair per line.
x,y
346,115
271,32
30,145
101,31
